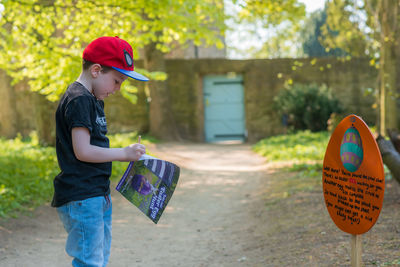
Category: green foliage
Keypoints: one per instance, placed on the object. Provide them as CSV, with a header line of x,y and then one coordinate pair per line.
x,y
312,38
304,150
271,11
281,20
28,170
355,26
307,106
42,41
282,42
370,29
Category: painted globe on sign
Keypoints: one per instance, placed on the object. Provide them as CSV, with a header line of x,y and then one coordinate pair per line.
x,y
351,150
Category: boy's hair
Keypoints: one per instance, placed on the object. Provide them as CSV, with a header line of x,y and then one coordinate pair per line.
x,y
86,65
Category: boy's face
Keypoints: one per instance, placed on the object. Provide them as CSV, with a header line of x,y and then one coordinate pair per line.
x,y
107,83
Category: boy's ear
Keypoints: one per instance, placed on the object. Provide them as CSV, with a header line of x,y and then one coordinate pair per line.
x,y
95,70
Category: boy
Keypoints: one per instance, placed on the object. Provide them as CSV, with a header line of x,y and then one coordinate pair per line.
x,y
81,189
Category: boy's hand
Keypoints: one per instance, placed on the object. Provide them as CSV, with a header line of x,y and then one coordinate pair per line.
x,y
134,152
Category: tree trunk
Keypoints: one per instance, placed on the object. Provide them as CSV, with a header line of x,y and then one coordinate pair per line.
x,y
44,119
8,111
390,156
162,122
387,72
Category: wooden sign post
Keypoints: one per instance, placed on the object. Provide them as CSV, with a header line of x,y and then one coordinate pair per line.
x,y
356,250
353,181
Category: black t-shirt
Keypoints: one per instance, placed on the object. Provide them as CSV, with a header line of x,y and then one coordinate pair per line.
x,y
80,180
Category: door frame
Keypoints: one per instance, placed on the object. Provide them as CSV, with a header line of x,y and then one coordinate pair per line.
x,y
202,107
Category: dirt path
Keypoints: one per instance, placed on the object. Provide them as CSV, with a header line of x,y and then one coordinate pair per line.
x,y
198,228
229,209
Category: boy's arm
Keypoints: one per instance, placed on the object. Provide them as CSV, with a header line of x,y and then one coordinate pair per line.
x,y
84,151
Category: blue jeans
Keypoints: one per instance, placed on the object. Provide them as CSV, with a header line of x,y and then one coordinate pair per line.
x,y
88,224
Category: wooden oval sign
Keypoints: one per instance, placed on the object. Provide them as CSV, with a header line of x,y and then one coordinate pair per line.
x,y
353,178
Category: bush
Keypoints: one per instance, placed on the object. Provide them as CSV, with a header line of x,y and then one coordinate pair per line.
x,y
307,106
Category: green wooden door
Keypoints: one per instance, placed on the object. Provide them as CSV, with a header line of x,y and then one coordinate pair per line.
x,y
224,116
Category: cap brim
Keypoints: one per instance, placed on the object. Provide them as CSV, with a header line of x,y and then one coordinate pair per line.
x,y
132,74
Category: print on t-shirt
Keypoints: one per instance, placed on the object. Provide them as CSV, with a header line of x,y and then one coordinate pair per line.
x,y
101,121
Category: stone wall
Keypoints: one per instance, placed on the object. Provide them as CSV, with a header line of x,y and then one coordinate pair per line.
x,y
263,78
262,81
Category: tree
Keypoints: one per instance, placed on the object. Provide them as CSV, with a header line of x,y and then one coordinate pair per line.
x,y
390,151
199,20
281,19
42,40
312,37
369,28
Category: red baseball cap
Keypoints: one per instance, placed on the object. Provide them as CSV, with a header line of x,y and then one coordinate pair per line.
x,y
113,52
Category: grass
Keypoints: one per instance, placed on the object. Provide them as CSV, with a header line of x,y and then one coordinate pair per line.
x,y
28,170
304,150
27,173
301,154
